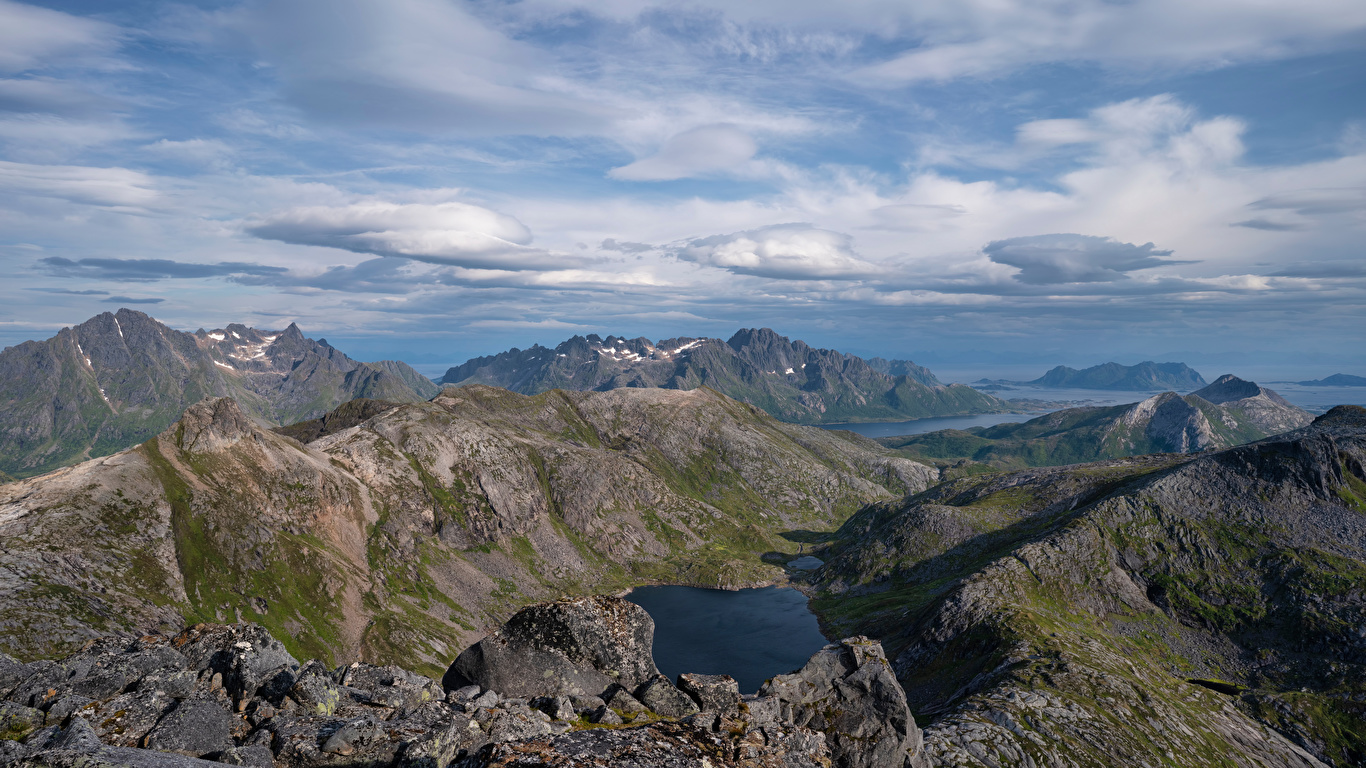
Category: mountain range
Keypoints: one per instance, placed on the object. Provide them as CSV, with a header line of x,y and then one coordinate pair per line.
x,y
1163,610
790,380
1146,376
400,530
1228,412
120,378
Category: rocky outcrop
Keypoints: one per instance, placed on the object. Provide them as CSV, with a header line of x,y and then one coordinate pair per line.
x,y
1255,405
572,647
788,379
848,692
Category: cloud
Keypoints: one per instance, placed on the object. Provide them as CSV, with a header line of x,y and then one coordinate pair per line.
x,y
625,246
457,234
425,65
1067,258
1324,269
783,251
694,152
148,270
130,300
70,292
108,187
31,37
1263,223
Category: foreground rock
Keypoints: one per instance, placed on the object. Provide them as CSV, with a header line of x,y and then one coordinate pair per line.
x,y
574,647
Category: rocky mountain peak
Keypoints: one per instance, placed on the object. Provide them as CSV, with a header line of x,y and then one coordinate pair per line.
x,y
211,425
1227,388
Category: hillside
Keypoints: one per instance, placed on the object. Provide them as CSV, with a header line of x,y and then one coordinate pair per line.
x,y
404,529
789,380
120,378
1224,414
1147,376
1186,611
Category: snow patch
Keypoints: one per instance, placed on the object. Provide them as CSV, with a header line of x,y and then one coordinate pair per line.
x,y
217,336
116,325
789,371
235,336
224,365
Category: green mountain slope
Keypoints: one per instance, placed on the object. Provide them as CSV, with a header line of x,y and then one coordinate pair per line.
x,y
1165,423
1162,610
402,529
120,378
789,380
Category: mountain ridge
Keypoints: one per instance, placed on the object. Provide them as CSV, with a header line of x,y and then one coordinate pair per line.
x,y
1145,376
790,380
1228,412
122,377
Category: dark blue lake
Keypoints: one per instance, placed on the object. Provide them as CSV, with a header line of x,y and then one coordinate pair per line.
x,y
750,634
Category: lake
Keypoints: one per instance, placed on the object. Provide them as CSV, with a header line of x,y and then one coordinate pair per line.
x,y
749,634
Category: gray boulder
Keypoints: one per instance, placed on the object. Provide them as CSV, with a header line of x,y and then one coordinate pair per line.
x,y
18,721
660,695
123,720
251,756
848,692
713,693
243,654
315,691
195,728
576,646
625,703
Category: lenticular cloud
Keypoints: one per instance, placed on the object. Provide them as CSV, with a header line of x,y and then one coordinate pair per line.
x,y
457,234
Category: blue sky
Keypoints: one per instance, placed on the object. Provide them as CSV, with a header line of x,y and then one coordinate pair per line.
x,y
960,181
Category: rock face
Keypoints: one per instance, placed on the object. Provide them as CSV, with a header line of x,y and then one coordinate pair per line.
x,y
1177,610
1258,406
1166,423
849,693
790,380
121,378
573,647
399,531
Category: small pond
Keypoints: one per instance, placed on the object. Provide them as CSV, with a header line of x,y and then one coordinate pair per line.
x,y
749,634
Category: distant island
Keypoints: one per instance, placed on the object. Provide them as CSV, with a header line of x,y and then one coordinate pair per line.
x,y
1336,380
1145,376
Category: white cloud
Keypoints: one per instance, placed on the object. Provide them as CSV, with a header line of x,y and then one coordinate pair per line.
x,y
694,152
452,233
108,187
32,37
782,251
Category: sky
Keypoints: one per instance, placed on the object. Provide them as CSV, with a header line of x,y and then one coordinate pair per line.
x,y
969,183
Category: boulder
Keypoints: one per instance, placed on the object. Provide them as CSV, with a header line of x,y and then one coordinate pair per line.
x,y
625,703
848,692
713,693
124,720
569,647
18,721
660,695
245,655
195,727
315,691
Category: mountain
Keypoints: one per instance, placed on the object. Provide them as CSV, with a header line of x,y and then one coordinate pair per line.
x,y
423,386
120,378
790,380
1164,610
1226,413
1146,376
1336,380
401,530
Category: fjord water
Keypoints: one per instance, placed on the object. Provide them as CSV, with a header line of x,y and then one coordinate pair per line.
x,y
749,634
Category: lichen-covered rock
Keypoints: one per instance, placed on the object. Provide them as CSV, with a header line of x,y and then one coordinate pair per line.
x,y
576,646
848,692
660,695
713,693
194,727
315,690
245,655
624,703
659,745
124,720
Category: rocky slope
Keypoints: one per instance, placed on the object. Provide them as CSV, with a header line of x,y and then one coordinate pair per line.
x,y
1162,610
1227,413
790,380
399,532
120,378
234,695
